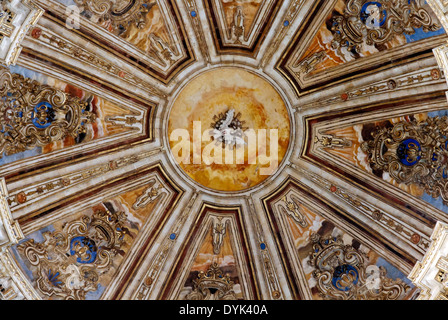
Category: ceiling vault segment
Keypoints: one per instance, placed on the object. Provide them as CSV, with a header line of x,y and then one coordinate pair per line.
x,y
96,204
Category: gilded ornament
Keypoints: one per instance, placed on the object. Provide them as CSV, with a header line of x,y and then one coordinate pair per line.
x,y
70,262
212,285
377,22
413,152
32,114
343,273
121,14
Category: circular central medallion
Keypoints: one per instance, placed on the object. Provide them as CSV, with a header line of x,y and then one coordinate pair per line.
x,y
229,129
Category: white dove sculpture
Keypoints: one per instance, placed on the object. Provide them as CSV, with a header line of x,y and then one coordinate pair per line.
x,y
229,136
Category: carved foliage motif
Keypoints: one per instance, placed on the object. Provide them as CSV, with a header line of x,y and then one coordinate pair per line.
x,y
343,273
34,115
71,261
413,153
377,22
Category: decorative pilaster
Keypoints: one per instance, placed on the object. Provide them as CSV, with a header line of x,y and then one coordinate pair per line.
x,y
441,54
13,283
16,18
431,274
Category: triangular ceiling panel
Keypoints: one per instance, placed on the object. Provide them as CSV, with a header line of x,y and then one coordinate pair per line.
x,y
358,34
56,115
238,24
406,151
215,265
215,259
240,18
93,241
326,261
147,30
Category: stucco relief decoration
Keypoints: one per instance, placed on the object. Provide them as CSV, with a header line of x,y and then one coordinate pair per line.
x,y
414,152
120,13
71,261
6,27
212,285
377,22
33,115
293,210
343,273
8,289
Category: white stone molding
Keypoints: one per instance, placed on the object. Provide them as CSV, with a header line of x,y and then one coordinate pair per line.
x,y
431,274
10,232
16,18
440,8
13,283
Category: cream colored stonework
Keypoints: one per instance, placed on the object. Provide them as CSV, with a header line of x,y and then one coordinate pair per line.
x,y
25,14
13,283
440,8
431,274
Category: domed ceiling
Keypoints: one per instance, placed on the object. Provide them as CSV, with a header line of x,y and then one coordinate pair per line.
x,y
220,149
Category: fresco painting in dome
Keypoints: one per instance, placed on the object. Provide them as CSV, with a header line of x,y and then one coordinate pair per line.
x,y
260,107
